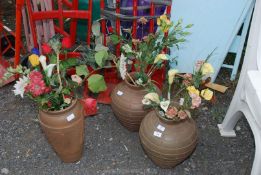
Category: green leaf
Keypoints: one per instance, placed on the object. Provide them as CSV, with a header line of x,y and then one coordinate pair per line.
x,y
96,83
115,39
101,57
65,64
66,91
100,47
96,28
53,59
82,70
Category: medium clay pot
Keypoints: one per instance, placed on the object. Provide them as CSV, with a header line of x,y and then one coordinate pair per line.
x,y
126,103
64,130
167,142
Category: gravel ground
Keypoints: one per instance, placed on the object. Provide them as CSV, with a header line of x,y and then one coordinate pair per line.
x,y
111,149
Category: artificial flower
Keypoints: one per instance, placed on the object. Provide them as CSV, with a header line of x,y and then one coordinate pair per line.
x,y
152,97
122,66
42,60
181,101
146,101
207,69
135,41
76,78
66,42
207,94
36,85
127,48
20,86
196,101
143,20
110,29
49,69
171,75
192,90
67,100
139,81
182,115
160,57
34,60
46,48
171,112
35,51
164,105
198,65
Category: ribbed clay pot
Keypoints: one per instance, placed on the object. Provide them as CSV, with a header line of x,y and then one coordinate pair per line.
x,y
64,130
167,142
126,103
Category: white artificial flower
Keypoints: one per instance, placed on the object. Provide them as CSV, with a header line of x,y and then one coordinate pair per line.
x,y
164,105
42,60
20,85
127,48
49,69
181,101
152,97
139,81
122,66
146,102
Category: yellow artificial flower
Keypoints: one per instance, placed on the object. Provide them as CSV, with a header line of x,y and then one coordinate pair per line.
x,y
164,18
207,94
152,97
158,21
207,69
160,57
34,60
193,90
171,75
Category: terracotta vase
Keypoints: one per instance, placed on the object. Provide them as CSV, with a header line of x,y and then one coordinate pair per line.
x,y
126,103
167,142
64,130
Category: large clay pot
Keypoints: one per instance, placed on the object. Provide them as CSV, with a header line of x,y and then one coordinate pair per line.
x,y
167,142
126,103
64,130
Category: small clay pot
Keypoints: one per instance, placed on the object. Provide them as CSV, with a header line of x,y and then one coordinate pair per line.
x,y
127,104
167,142
64,130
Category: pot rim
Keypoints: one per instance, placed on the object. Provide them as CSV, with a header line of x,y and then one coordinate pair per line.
x,y
74,101
126,80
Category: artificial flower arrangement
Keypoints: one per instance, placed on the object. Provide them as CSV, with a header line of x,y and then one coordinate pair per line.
x,y
48,82
189,92
147,54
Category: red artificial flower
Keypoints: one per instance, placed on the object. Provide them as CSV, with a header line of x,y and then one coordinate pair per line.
x,y
110,29
66,43
46,48
49,104
36,85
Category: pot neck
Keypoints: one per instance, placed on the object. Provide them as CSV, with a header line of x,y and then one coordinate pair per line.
x,y
72,105
128,82
167,121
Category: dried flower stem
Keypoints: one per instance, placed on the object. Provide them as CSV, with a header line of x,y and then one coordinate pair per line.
x,y
58,71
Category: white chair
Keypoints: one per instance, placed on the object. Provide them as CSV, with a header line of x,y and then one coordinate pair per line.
x,y
247,98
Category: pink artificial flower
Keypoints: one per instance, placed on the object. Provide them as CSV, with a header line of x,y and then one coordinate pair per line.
x,y
66,43
36,85
171,112
196,101
199,63
182,115
46,48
